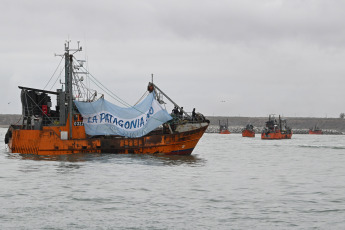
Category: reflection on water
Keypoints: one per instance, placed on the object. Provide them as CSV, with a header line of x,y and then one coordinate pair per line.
x,y
63,158
145,159
67,168
181,160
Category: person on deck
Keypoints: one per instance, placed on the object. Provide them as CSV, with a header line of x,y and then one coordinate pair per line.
x,y
181,112
175,111
193,114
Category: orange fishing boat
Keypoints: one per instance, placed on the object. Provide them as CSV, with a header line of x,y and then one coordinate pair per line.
x,y
315,130
248,131
223,128
276,129
83,123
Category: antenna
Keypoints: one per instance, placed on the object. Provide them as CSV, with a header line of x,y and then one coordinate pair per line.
x,y
67,44
152,78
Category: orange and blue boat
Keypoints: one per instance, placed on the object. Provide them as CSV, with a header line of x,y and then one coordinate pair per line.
x,y
276,129
83,123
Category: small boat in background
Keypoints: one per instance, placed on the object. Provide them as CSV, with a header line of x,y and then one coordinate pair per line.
x,y
223,129
276,129
315,130
248,131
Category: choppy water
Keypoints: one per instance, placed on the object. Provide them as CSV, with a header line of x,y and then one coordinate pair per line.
x,y
229,182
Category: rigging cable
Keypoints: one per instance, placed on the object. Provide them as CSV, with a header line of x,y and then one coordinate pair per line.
x,y
57,78
111,94
146,92
54,72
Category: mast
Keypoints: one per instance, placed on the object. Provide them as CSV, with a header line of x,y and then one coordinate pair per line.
x,y
70,96
67,67
155,87
68,85
68,82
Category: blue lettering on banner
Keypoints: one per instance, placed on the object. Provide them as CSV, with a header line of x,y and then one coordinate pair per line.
x,y
151,111
127,125
110,116
130,124
102,116
134,124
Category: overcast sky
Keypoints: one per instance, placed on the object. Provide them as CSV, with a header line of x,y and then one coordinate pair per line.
x,y
240,57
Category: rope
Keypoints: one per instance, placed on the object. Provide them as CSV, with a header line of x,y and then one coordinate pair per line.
x,y
54,72
57,78
145,94
111,94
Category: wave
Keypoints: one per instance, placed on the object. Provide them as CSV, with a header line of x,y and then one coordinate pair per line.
x,y
322,146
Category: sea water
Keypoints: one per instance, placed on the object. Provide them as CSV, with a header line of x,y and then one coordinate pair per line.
x,y
229,182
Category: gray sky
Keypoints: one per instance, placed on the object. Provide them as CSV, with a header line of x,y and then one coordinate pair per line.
x,y
257,56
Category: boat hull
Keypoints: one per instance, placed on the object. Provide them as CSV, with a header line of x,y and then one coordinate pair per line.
x,y
248,133
47,142
315,132
225,132
275,136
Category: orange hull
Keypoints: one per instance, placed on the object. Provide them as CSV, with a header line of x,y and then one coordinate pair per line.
x,y
225,132
315,132
48,142
248,133
276,135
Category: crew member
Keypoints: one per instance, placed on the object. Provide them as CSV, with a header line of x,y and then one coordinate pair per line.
x,y
193,114
181,112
